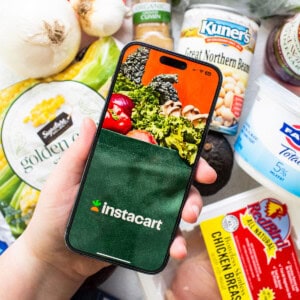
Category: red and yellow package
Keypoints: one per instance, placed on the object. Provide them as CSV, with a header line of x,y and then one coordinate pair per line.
x,y
252,252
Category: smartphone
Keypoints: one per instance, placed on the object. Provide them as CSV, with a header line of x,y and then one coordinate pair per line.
x,y
142,161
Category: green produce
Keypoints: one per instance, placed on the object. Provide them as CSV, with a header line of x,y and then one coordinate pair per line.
x,y
164,85
99,63
169,131
19,212
134,66
15,220
218,152
8,188
5,174
15,201
12,212
270,8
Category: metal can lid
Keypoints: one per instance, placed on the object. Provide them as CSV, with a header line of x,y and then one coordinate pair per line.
x,y
223,8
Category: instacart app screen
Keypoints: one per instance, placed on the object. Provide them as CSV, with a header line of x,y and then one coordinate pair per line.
x,y
154,122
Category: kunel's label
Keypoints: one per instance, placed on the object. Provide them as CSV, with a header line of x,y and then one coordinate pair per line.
x,y
252,252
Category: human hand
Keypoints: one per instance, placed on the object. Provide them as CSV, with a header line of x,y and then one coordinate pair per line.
x,y
193,205
45,239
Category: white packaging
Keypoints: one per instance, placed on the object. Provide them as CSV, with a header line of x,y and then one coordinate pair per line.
x,y
268,146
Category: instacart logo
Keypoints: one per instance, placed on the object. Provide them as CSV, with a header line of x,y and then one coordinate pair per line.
x,y
125,215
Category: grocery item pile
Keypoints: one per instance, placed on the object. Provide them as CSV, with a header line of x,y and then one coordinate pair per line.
x,y
66,58
40,119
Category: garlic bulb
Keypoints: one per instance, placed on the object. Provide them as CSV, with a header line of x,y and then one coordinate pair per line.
x,y
100,17
38,38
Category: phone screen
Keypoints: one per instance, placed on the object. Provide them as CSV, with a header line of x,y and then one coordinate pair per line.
x,y
141,165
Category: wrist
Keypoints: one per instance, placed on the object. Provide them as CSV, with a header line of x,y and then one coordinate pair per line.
x,y
34,277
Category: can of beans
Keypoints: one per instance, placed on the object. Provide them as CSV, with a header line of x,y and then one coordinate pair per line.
x,y
227,39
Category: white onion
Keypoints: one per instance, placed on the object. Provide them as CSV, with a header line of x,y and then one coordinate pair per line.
x,y
38,38
100,18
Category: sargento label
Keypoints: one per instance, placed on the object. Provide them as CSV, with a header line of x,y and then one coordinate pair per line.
x,y
226,39
55,128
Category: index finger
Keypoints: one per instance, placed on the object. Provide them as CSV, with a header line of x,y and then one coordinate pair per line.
x,y
204,172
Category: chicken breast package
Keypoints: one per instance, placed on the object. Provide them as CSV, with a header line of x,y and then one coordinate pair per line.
x,y
245,247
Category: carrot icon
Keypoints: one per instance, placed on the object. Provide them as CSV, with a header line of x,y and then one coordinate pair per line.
x,y
96,205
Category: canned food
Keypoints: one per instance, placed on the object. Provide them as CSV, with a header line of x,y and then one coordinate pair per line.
x,y
227,39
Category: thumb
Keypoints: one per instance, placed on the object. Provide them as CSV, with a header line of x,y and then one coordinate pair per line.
x,y
69,170
76,156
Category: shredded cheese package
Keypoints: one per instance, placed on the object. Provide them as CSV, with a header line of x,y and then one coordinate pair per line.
x,y
252,251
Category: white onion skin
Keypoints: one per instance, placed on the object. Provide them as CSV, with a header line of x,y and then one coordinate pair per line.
x,y
26,46
100,18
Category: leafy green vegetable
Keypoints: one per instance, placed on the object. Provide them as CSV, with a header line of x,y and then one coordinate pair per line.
x,y
134,66
264,9
124,84
20,209
15,220
164,85
102,65
97,203
169,131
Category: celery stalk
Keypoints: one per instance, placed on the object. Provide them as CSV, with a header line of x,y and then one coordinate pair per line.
x,y
5,174
8,188
15,201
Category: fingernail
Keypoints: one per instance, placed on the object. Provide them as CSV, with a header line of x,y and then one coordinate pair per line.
x,y
196,210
